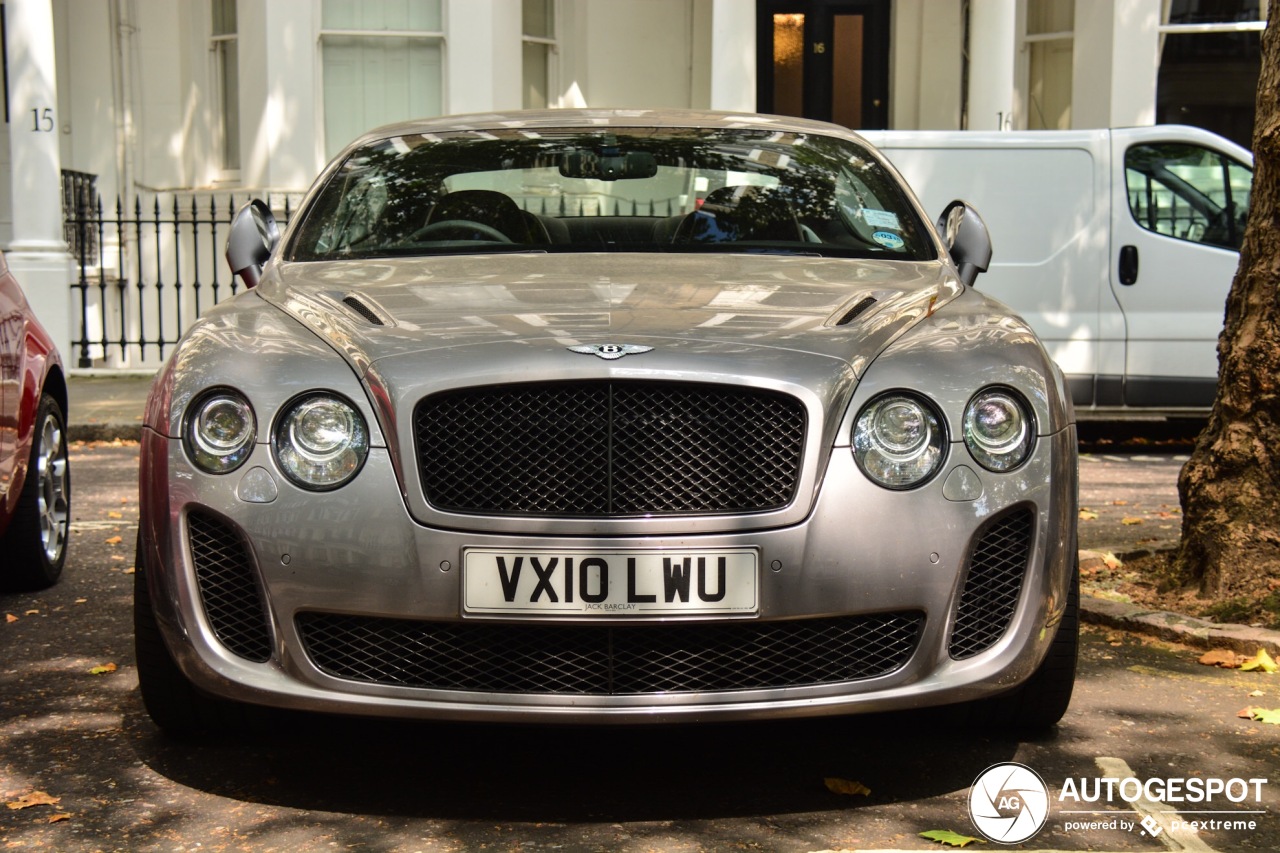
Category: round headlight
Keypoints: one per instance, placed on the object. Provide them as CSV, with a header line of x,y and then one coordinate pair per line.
x,y
997,430
219,431
898,441
320,441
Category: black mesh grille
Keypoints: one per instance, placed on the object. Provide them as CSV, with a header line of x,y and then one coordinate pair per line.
x,y
993,585
608,660
609,449
228,590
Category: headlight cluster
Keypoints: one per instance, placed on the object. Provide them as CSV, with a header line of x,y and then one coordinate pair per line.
x,y
320,441
998,429
899,440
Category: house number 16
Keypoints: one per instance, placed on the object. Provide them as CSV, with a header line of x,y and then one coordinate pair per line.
x,y
42,120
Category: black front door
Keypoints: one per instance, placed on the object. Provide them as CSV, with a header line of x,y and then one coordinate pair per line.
x,y
824,59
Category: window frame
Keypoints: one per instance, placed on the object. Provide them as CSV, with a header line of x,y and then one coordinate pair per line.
x,y
218,66
1030,42
552,45
436,37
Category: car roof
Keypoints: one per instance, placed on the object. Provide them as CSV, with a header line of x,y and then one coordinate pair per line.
x,y
602,118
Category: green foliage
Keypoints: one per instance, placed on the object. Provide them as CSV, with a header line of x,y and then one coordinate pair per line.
x,y
1232,610
1248,611
949,838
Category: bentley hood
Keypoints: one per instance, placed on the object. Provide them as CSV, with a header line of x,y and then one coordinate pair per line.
x,y
508,309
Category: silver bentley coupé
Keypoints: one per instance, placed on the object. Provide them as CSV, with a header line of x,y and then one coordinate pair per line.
x,y
607,416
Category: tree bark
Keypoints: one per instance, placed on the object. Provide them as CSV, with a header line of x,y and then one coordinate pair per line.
x,y
1230,488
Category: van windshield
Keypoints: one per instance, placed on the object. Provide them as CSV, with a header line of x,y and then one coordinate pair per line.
x,y
614,190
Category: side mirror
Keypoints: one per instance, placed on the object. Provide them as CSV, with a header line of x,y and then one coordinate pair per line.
x,y
254,235
967,239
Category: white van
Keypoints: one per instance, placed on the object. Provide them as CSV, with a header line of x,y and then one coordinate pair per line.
x,y
1117,246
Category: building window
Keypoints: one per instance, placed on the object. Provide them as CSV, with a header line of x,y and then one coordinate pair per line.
x,y
382,62
1210,58
539,45
1050,40
226,72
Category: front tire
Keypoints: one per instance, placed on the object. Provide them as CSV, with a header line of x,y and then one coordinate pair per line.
x,y
36,540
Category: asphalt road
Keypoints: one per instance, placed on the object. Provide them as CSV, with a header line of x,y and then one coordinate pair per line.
x,y
317,784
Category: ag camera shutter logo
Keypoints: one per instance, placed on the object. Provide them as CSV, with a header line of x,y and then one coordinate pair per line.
x,y
1008,803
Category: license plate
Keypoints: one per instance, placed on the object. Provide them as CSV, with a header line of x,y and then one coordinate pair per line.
x,y
610,583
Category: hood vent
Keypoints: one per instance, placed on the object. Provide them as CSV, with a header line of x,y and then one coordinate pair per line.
x,y
856,311
360,307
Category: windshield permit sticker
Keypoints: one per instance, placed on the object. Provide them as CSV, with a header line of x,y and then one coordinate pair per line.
x,y
889,241
881,219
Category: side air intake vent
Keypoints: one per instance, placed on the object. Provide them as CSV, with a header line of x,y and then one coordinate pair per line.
x,y
856,311
358,306
993,586
229,587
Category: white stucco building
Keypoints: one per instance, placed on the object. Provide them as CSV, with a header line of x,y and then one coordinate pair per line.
x,y
198,99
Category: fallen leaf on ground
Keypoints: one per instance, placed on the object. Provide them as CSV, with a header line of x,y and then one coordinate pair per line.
x,y
114,514
32,613
1088,515
1131,521
1260,715
949,838
1254,694
1261,662
130,570
59,817
10,618
845,786
1112,561
1224,658
35,798
104,669
1119,503
115,540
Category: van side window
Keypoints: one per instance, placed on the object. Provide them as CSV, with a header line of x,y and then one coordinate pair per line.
x,y
1188,193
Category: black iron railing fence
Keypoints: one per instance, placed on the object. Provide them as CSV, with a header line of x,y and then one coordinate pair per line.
x,y
146,269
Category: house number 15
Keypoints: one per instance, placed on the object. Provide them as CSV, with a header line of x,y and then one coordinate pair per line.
x,y
42,120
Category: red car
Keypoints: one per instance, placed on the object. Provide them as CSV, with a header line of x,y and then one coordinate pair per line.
x,y
35,479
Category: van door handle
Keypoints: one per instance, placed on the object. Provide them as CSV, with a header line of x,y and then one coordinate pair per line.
x,y
1128,265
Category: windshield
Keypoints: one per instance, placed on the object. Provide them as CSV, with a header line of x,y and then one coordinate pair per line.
x,y
614,190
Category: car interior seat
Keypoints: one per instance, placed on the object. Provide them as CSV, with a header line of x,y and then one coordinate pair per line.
x,y
741,213
489,208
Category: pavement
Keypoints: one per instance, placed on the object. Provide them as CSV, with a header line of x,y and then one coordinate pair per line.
x,y
108,406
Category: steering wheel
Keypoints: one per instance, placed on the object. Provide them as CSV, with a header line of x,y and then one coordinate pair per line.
x,y
459,229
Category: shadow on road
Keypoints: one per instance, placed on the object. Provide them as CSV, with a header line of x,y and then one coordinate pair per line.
x,y
576,774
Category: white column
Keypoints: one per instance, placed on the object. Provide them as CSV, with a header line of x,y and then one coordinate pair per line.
x,y
38,253
1116,56
733,56
281,136
992,48
1135,63
474,58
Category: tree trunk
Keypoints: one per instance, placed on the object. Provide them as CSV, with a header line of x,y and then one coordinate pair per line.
x,y
1230,488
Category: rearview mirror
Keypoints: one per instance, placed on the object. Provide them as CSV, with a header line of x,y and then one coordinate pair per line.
x,y
253,237
609,164
967,240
